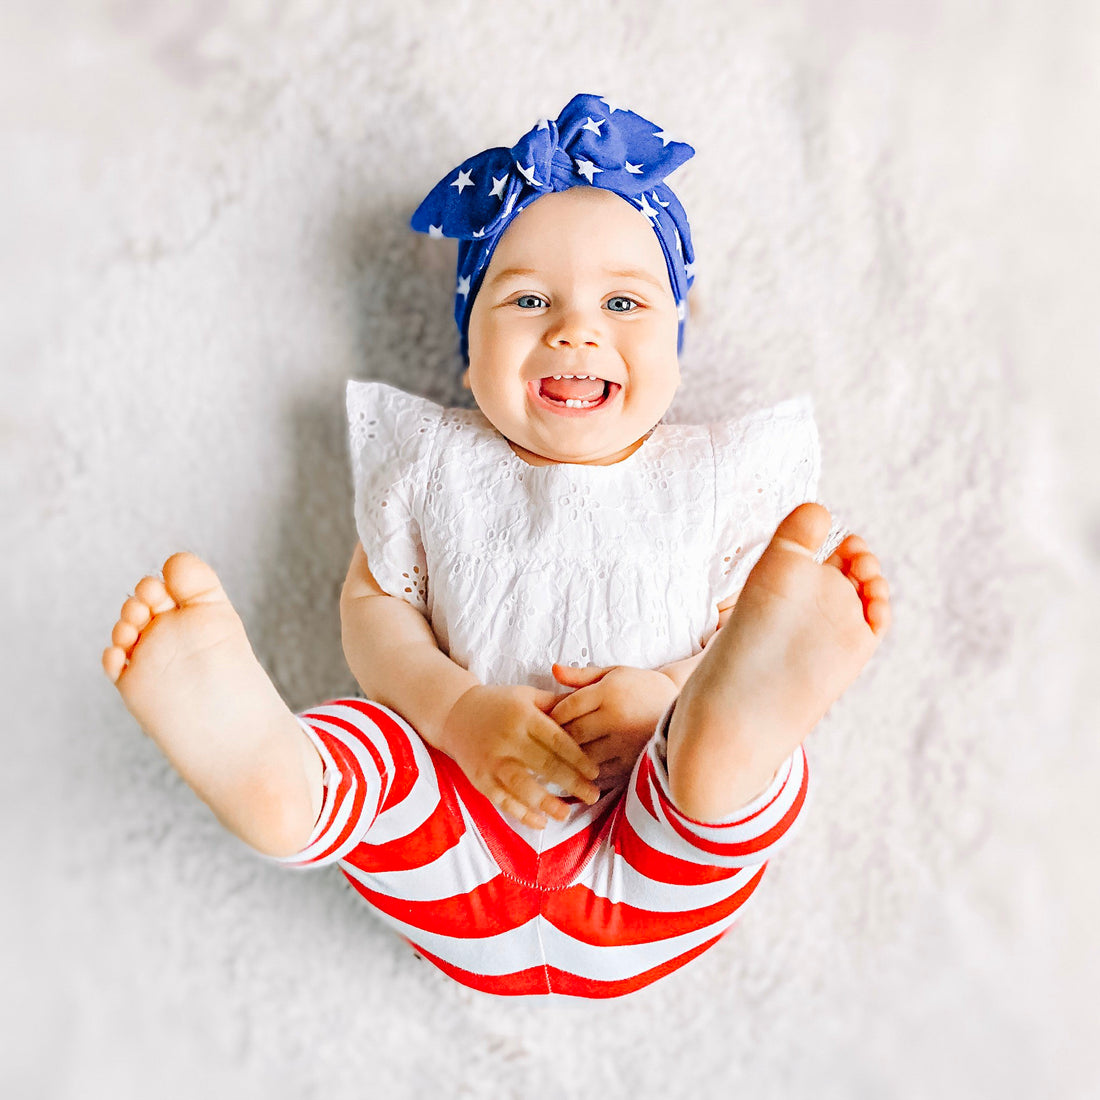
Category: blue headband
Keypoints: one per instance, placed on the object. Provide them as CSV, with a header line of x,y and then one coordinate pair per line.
x,y
593,142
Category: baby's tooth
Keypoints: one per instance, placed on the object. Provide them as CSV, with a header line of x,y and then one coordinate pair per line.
x,y
557,376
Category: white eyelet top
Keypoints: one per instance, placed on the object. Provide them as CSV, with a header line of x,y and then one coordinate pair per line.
x,y
518,566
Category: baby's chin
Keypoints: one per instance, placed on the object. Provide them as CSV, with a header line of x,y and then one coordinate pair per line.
x,y
605,452
601,438
543,456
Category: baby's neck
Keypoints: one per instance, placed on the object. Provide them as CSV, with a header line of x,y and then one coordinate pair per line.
x,y
533,459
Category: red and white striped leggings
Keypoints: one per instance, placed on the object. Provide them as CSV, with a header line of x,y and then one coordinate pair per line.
x,y
602,904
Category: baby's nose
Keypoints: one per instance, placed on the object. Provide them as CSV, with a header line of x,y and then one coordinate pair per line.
x,y
575,328
574,334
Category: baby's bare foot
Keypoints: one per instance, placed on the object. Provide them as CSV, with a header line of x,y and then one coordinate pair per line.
x,y
182,663
798,636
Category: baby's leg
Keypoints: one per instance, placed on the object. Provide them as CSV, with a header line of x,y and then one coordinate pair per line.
x,y
183,666
798,636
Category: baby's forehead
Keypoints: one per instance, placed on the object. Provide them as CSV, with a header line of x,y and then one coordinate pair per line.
x,y
602,229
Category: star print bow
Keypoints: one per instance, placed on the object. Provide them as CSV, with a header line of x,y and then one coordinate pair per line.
x,y
593,142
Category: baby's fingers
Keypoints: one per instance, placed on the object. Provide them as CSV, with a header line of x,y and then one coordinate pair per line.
x,y
589,730
613,773
561,760
529,800
515,792
582,701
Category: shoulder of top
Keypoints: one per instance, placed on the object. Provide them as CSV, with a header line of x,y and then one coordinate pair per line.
x,y
798,409
437,422
686,443
778,425
366,391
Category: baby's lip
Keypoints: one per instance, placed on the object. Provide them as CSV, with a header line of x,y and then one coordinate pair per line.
x,y
578,373
611,386
534,389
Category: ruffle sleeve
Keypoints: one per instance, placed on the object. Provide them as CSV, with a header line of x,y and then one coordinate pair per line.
x,y
766,464
391,436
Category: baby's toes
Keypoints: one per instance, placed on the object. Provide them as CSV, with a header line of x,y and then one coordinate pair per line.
x,y
876,589
136,613
851,546
875,594
188,579
124,635
114,661
864,567
152,593
844,555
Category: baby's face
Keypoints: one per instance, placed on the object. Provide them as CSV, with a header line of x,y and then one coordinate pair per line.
x,y
591,297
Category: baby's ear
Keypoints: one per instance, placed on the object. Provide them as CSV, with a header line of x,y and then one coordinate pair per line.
x,y
466,379
695,313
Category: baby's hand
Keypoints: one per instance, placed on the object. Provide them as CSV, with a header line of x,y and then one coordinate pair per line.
x,y
613,713
502,739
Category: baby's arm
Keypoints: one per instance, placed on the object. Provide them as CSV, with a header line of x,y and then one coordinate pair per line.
x,y
499,735
613,711
679,671
393,654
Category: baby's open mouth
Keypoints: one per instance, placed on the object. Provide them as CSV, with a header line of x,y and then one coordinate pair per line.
x,y
576,391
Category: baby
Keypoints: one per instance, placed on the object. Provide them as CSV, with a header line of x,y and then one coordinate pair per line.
x,y
591,644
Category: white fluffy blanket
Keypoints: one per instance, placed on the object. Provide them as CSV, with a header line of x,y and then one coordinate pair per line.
x,y
205,233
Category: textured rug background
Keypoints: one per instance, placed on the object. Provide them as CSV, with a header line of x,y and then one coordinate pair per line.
x,y
204,233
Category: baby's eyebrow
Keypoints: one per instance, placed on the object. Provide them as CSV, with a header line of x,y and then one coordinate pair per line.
x,y
510,273
621,273
634,273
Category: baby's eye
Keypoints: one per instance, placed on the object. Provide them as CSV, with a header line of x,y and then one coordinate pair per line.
x,y
528,298
620,298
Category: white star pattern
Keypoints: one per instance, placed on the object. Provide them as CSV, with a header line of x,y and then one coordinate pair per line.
x,y
586,168
648,203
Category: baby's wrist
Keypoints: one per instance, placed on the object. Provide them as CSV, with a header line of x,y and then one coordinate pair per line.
x,y
679,671
647,695
663,683
669,675
453,718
